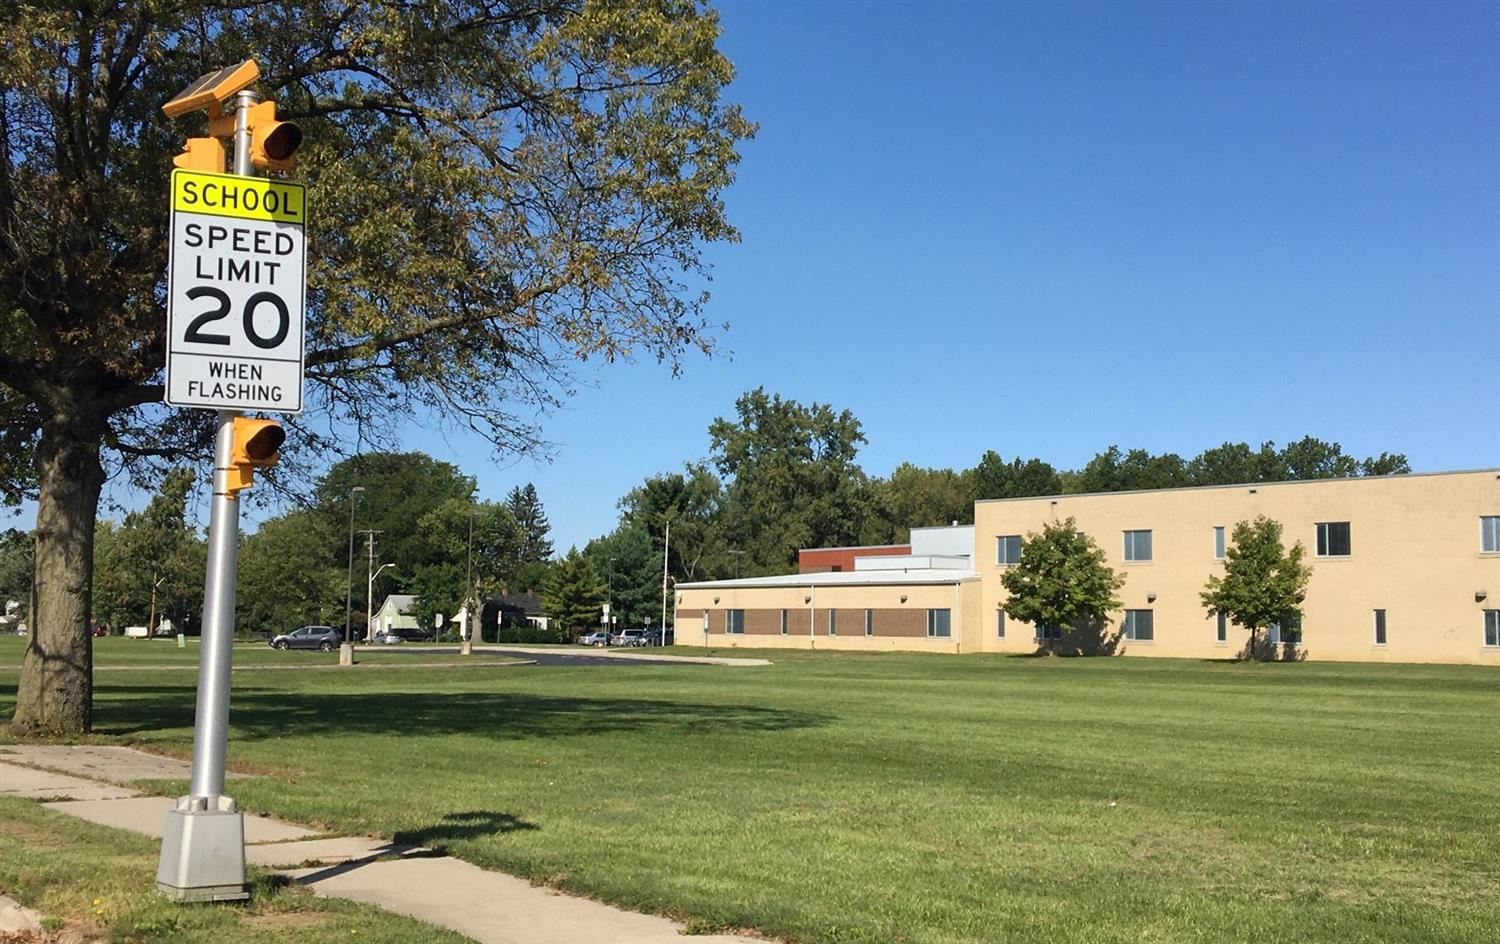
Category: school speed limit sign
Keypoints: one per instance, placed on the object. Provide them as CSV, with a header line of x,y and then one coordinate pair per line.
x,y
236,292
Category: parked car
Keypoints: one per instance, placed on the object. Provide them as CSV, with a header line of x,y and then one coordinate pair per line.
x,y
388,637
653,637
414,634
628,637
596,638
322,638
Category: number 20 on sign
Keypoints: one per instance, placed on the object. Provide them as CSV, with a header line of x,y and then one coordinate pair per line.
x,y
236,290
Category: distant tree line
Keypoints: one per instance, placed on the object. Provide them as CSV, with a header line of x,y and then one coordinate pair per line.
x,y
781,476
294,569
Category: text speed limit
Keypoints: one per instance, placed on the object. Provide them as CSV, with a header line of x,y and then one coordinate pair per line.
x,y
236,293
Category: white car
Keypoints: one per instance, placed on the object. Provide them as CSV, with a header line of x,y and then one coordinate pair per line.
x,y
387,638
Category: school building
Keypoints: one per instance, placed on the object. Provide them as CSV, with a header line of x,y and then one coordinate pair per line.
x,y
1404,569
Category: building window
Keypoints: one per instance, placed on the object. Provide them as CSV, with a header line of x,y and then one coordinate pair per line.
x,y
1221,633
1333,539
1045,632
1140,625
833,622
1489,534
1008,549
1380,627
1492,627
1219,543
869,622
734,622
783,622
1000,624
1291,633
1138,545
939,622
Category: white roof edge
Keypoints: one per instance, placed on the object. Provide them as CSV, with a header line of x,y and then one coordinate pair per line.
x,y
846,578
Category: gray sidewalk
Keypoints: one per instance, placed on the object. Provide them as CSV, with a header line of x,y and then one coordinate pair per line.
x,y
490,907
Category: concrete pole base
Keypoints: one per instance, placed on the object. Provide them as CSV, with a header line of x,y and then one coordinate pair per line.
x,y
465,648
346,653
203,852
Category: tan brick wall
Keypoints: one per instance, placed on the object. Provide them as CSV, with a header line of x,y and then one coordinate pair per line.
x,y
898,625
1416,553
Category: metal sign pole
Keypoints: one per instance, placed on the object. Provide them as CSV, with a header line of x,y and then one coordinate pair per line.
x,y
203,848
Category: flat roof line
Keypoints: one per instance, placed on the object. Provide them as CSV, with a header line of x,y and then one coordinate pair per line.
x,y
1204,488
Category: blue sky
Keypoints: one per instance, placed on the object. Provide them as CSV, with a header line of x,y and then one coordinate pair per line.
x,y
1043,229
1046,228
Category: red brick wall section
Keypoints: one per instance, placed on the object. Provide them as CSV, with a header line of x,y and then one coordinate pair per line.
x,y
821,560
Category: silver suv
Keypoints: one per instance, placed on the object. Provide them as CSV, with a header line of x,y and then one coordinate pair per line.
x,y
322,638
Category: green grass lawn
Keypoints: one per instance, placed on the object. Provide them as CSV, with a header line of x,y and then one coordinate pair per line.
x,y
852,798
113,652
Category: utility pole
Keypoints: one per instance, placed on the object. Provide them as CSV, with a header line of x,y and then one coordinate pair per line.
x,y
466,646
354,495
370,582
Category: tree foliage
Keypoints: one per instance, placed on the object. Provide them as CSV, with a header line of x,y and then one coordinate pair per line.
x,y
155,547
790,478
400,490
914,497
448,559
291,574
1263,582
574,595
630,562
498,190
995,478
1062,580
525,508
691,501
1229,464
16,564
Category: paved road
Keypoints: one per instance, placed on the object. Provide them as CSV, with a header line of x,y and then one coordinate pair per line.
x,y
569,658
544,657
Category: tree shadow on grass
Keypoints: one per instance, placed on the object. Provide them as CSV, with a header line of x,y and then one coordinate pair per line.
x,y
259,714
467,825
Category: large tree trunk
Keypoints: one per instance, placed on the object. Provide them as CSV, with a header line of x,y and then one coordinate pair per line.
x,y
57,680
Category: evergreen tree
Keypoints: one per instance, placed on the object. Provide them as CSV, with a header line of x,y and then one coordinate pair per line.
x,y
574,593
526,508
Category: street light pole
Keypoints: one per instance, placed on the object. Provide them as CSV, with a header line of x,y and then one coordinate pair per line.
x,y
609,597
466,646
666,544
354,495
